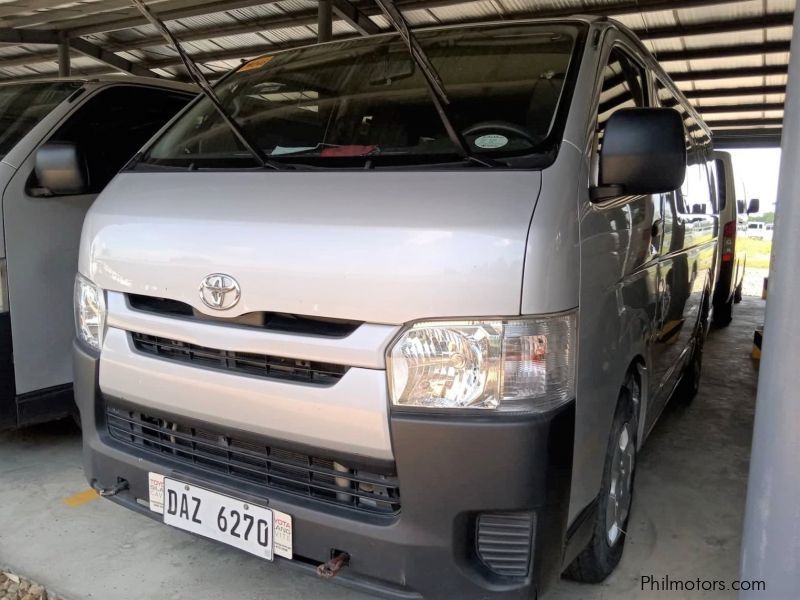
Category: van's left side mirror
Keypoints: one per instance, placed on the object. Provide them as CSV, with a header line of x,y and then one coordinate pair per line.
x,y
753,207
643,152
60,170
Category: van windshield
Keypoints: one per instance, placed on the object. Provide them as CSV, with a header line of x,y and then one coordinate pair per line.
x,y
23,105
363,102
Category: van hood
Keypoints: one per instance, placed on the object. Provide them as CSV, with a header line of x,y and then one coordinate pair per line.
x,y
374,246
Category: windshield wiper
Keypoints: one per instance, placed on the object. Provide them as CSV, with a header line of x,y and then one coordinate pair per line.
x,y
197,76
433,81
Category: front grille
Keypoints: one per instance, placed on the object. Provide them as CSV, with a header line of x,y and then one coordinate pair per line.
x,y
503,542
270,321
256,463
259,365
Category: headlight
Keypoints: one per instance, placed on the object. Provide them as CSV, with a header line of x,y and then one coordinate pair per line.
x,y
90,312
3,287
515,365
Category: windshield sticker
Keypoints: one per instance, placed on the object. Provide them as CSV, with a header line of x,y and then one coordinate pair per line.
x,y
256,63
492,140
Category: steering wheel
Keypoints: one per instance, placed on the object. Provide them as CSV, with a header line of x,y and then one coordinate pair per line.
x,y
487,127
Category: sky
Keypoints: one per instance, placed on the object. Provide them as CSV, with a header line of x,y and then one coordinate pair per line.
x,y
756,169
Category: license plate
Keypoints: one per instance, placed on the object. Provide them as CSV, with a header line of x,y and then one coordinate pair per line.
x,y
254,529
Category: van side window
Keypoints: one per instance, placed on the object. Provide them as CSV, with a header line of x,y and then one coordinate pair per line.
x,y
695,196
623,86
111,126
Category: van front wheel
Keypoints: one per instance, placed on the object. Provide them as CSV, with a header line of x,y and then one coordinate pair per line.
x,y
604,551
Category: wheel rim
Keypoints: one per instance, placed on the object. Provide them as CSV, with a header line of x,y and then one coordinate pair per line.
x,y
619,493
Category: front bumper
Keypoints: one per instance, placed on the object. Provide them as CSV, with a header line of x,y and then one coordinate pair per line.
x,y
451,470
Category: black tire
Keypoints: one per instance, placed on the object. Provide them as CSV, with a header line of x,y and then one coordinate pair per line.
x,y
737,294
600,557
723,314
690,377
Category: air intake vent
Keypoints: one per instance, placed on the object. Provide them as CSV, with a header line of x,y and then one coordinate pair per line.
x,y
503,542
259,365
256,463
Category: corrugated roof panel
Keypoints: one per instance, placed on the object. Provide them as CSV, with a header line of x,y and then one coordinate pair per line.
x,y
773,114
775,80
242,40
724,40
416,18
776,34
471,11
703,64
290,34
736,100
777,58
665,45
749,114
714,12
722,84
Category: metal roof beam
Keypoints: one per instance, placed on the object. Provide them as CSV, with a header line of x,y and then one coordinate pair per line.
x,y
354,17
187,8
53,15
12,8
722,123
109,58
715,74
767,137
711,27
728,51
25,36
734,108
760,90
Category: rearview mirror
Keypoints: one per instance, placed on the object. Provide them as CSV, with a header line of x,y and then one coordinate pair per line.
x,y
753,207
60,169
643,152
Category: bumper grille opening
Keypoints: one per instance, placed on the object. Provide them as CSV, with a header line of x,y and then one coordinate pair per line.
x,y
503,542
256,463
259,365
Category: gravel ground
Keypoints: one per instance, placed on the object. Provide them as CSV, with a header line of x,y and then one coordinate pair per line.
x,y
14,587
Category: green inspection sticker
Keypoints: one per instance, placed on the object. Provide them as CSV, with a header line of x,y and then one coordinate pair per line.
x,y
491,140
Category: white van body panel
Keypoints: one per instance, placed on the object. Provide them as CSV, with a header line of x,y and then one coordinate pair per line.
x,y
351,416
440,244
365,347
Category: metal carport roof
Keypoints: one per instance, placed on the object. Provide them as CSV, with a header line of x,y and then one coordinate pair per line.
x,y
729,57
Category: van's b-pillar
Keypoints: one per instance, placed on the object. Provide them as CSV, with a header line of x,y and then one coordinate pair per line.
x,y
771,534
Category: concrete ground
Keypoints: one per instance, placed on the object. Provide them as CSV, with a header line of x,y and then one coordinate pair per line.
x,y
686,521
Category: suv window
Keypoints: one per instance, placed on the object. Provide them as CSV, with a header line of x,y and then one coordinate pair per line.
x,y
111,126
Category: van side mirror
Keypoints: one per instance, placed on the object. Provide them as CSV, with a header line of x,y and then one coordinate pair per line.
x,y
643,152
753,207
60,169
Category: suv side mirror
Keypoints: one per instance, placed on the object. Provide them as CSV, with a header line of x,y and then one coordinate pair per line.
x,y
643,152
753,207
60,169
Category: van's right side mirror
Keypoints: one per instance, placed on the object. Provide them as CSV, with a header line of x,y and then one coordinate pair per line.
x,y
60,169
643,152
753,207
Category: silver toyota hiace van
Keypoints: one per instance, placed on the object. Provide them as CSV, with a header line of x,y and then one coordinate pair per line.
x,y
414,347
49,128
